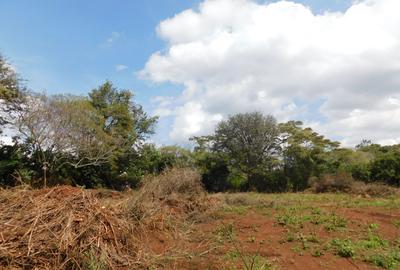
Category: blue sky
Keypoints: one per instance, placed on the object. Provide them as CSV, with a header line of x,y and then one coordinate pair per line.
x,y
72,46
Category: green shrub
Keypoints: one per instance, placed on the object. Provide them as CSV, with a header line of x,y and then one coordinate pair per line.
x,y
343,248
387,261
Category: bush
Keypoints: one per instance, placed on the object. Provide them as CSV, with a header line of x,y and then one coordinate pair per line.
x,y
343,248
386,167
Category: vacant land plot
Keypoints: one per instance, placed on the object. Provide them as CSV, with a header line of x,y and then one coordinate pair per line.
x,y
289,231
184,228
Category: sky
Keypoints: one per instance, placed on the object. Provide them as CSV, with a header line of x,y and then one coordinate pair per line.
x,y
334,65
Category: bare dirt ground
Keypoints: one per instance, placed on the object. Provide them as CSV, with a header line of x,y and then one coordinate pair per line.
x,y
288,231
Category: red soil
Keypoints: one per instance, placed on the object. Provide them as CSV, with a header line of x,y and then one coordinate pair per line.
x,y
253,227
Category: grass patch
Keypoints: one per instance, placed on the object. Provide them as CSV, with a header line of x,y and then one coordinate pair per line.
x,y
388,260
343,247
335,223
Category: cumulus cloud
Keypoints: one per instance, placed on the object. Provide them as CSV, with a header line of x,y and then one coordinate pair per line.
x,y
338,71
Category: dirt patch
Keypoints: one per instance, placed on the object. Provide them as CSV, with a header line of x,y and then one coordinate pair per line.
x,y
383,218
252,228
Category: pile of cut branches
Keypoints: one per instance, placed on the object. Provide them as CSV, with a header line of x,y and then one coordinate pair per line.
x,y
176,193
63,228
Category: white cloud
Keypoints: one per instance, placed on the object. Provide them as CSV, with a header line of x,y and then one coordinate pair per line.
x,y
120,67
339,70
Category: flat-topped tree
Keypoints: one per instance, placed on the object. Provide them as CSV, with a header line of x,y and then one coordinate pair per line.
x,y
303,153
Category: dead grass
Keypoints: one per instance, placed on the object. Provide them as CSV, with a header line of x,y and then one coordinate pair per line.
x,y
72,228
344,183
176,192
62,228
168,205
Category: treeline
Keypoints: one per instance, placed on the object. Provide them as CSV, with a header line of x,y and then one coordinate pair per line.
x,y
253,152
99,140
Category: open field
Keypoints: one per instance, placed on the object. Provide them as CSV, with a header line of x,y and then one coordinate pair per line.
x,y
293,231
234,231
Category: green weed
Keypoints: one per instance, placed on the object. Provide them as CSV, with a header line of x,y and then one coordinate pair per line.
x,y
343,248
388,261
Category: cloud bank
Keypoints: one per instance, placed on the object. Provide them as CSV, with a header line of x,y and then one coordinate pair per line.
x,y
338,72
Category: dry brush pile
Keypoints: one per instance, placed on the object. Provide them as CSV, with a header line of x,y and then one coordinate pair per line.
x,y
344,183
69,228
62,228
177,193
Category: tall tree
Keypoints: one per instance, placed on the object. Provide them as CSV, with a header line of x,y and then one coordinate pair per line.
x,y
122,117
250,139
125,121
302,152
249,143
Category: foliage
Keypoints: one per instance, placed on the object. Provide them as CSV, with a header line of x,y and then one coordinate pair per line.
x,y
245,145
13,166
249,139
303,153
386,166
127,123
344,248
62,131
101,140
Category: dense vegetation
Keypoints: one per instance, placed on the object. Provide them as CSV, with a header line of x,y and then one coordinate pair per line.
x,y
99,140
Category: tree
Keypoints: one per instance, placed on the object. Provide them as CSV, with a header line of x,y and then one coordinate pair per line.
x,y
122,117
302,152
63,131
11,91
126,122
212,166
249,141
386,165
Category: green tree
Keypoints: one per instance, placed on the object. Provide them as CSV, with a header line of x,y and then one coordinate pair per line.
x,y
303,153
213,166
249,143
125,121
386,165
